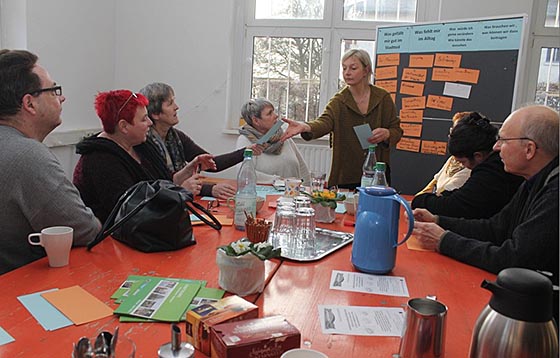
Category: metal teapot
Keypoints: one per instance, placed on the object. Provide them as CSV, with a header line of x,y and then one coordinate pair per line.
x,y
517,322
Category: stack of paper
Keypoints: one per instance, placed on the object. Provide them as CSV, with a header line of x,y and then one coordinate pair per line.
x,y
149,298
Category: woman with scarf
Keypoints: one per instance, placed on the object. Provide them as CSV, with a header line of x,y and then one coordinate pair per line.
x,y
177,149
279,159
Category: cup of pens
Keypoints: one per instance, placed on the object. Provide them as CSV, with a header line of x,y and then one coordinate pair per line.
x,y
257,229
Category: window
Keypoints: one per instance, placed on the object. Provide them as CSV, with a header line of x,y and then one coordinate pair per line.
x,y
291,49
543,73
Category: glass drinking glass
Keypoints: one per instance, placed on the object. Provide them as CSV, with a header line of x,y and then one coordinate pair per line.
x,y
304,241
284,227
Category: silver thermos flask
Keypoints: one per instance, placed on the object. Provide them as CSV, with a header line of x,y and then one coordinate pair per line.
x,y
518,321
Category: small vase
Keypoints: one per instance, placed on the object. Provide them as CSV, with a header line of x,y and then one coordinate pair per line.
x,y
324,214
241,275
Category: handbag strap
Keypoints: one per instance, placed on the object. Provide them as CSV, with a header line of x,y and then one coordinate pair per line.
x,y
215,223
106,230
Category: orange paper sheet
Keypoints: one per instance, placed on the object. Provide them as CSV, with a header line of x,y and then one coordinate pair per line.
x,y
421,61
414,74
409,144
447,60
413,244
466,75
78,305
443,74
433,147
411,115
394,97
413,102
390,59
411,129
388,85
412,88
382,73
440,102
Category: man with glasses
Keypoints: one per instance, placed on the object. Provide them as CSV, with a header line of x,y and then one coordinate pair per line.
x,y
525,232
34,189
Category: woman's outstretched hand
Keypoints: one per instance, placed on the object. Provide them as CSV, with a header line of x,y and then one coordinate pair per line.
x,y
294,128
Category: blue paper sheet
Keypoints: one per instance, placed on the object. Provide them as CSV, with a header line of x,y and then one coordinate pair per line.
x,y
45,313
5,337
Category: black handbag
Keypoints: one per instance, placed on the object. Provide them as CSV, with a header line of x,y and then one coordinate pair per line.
x,y
153,216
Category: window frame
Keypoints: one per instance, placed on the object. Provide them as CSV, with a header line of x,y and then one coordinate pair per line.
x,y
332,29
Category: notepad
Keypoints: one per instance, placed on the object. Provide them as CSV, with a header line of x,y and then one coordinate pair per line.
x,y
46,314
271,132
363,132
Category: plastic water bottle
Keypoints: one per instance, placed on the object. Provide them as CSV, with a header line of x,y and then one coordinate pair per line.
x,y
246,196
368,169
379,176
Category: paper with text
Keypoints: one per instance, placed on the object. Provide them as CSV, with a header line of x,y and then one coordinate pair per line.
x,y
376,284
362,321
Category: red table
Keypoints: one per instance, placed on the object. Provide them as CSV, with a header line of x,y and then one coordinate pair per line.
x,y
293,289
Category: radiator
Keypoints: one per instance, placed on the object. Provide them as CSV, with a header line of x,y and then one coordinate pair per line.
x,y
317,157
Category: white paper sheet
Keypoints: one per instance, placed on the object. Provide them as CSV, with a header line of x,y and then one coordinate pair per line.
x,y
363,132
457,90
362,321
361,282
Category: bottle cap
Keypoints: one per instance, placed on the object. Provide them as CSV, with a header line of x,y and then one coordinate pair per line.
x,y
380,166
248,152
372,147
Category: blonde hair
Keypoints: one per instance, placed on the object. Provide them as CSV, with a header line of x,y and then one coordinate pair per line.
x,y
361,55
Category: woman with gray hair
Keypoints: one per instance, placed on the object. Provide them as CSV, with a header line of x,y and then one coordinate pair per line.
x,y
176,148
279,159
358,103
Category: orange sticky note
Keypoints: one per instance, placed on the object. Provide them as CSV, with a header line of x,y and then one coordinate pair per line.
x,y
411,115
413,244
447,60
440,102
78,305
413,102
421,60
414,74
388,85
409,144
443,74
382,73
411,129
441,148
223,219
412,88
466,75
390,59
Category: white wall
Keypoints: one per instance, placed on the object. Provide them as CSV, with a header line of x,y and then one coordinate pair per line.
x,y
94,45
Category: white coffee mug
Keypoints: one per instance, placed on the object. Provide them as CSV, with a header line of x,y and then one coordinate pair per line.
x,y
303,353
57,241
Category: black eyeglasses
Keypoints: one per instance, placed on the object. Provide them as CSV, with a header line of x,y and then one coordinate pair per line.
x,y
212,204
57,90
132,94
500,139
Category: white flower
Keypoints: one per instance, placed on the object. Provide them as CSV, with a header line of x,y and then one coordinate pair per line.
x,y
240,246
261,245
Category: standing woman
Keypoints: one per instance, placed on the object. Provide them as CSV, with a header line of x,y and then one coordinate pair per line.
x,y
358,103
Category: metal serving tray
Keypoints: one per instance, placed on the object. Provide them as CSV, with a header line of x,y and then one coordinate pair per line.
x,y
326,242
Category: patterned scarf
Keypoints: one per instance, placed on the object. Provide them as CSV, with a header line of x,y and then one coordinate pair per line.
x,y
454,167
171,149
274,146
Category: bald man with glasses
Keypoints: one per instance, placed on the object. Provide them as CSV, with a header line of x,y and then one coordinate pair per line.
x,y
525,232
34,190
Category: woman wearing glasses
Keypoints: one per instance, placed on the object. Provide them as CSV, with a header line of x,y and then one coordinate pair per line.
x,y
489,187
117,158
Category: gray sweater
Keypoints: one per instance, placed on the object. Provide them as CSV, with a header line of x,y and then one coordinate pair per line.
x,y
35,194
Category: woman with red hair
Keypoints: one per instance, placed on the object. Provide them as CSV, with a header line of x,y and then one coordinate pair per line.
x,y
117,158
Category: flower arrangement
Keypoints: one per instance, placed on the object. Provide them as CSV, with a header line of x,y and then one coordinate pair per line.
x,y
262,250
327,198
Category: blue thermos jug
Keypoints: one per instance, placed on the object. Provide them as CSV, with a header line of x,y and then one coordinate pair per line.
x,y
374,249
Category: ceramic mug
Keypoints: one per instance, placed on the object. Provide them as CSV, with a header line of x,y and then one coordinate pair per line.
x,y
292,187
303,353
57,241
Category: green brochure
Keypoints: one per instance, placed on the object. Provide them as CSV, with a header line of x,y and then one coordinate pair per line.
x,y
157,298
204,295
